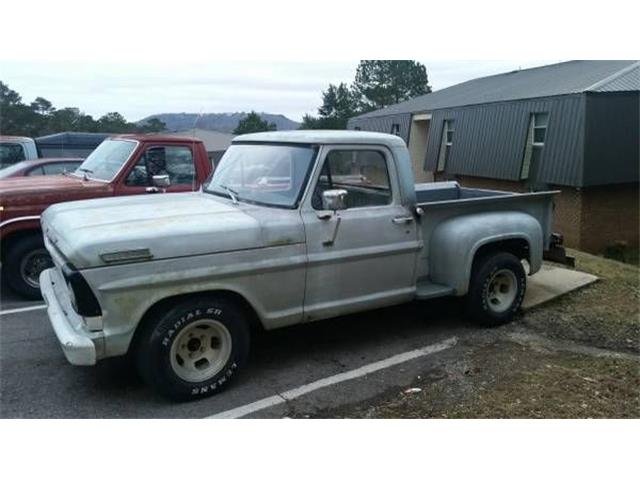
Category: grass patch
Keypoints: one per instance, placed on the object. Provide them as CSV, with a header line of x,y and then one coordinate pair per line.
x,y
605,314
508,380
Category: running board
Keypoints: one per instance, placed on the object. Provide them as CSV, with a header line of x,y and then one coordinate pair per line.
x,y
426,290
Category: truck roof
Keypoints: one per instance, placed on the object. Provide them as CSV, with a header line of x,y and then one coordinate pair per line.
x,y
152,137
323,136
15,138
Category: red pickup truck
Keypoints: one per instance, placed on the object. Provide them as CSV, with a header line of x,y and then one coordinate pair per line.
x,y
120,165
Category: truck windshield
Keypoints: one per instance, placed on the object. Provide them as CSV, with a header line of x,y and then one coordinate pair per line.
x,y
268,174
106,160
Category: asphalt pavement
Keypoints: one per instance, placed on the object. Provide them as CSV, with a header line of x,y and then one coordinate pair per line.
x,y
333,362
37,382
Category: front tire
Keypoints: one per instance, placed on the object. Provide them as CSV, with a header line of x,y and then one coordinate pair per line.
x,y
194,349
25,260
497,288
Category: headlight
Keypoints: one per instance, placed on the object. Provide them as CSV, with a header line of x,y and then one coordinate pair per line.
x,y
83,300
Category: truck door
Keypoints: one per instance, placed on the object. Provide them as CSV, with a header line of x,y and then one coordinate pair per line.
x,y
176,161
365,254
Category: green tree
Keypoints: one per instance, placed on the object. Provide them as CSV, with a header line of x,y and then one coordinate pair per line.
x,y
339,103
8,97
153,125
16,118
253,123
42,106
380,83
114,122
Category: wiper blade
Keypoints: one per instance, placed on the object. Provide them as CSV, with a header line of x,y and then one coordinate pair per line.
x,y
232,193
86,170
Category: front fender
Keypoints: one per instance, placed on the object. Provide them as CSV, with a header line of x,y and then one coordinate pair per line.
x,y
455,242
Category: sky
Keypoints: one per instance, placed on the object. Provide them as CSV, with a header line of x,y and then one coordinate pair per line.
x,y
137,90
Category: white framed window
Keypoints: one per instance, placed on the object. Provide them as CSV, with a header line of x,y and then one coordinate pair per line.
x,y
535,143
395,129
448,130
540,121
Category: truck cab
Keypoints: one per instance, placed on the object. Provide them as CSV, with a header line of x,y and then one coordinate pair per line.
x,y
120,165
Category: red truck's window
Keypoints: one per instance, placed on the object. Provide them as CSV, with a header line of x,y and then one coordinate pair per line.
x,y
175,161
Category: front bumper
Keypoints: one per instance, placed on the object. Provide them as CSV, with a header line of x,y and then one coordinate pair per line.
x,y
76,342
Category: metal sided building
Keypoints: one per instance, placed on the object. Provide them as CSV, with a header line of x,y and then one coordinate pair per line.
x,y
572,126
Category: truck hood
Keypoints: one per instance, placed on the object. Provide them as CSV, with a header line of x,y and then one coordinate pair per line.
x,y
92,233
37,193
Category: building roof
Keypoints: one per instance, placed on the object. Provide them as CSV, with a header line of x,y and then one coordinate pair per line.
x,y
551,80
213,141
323,136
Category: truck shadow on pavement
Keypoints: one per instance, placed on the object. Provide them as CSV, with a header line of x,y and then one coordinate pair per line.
x,y
340,342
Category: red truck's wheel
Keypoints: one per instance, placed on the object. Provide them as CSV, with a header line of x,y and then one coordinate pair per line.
x,y
496,291
25,260
194,349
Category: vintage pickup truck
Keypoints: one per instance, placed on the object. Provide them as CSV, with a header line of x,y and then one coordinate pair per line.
x,y
120,165
293,227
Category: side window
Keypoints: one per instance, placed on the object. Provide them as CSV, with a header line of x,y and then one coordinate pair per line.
x,y
362,173
535,143
58,168
445,145
177,162
11,153
35,171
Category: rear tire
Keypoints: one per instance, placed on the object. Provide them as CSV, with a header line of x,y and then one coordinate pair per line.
x,y
24,261
194,349
497,288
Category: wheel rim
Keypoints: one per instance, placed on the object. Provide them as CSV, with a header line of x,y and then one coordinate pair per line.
x,y
502,290
32,265
200,350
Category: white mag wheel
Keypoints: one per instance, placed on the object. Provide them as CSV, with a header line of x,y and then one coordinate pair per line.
x,y
501,290
201,350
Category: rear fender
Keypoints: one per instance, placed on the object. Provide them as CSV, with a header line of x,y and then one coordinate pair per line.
x,y
456,241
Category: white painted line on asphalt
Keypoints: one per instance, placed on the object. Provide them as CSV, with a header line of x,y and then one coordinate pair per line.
x,y
23,309
332,380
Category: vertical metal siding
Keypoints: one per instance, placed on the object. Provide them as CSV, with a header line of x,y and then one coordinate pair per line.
x,y
383,124
591,139
612,146
489,140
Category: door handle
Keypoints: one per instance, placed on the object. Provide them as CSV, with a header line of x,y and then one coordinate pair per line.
x,y
402,220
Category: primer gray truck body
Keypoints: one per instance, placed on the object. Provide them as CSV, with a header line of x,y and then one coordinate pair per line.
x,y
288,265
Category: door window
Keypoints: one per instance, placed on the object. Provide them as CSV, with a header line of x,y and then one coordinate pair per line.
x,y
177,162
362,173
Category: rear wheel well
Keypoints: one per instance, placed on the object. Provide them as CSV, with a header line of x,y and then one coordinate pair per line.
x,y
163,305
516,246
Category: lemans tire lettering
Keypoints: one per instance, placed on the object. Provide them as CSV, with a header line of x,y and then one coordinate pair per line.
x,y
213,386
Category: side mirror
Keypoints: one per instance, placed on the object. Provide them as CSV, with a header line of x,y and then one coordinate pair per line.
x,y
161,181
334,200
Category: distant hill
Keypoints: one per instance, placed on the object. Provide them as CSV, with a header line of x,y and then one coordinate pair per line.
x,y
221,122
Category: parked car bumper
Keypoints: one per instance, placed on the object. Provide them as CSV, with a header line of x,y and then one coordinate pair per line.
x,y
78,345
